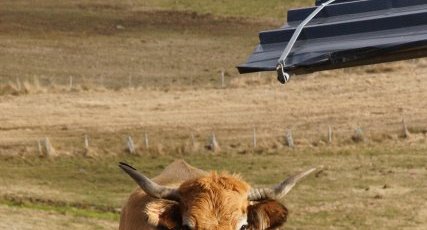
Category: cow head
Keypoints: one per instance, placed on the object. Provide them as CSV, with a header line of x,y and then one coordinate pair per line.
x,y
215,201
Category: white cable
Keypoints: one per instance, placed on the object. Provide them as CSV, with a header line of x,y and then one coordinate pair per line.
x,y
291,43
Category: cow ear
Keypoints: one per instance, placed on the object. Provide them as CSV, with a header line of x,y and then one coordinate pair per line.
x,y
268,214
163,214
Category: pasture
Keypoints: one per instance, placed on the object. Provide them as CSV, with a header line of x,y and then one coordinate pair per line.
x,y
358,188
108,70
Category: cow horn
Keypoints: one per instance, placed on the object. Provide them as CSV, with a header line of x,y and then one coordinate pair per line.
x,y
150,187
279,190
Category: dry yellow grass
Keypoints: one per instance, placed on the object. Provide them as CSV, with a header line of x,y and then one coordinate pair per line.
x,y
345,100
108,44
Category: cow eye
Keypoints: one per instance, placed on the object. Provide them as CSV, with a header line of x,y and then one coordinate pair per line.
x,y
244,227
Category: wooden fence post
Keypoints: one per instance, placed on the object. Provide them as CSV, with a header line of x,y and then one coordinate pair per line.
x,y
222,79
40,148
146,141
289,138
213,145
86,142
358,135
330,135
48,150
405,133
130,145
254,138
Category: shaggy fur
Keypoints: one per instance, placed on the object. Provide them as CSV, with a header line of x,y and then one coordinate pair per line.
x,y
217,201
209,201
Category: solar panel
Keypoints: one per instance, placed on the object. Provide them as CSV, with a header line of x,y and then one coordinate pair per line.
x,y
344,33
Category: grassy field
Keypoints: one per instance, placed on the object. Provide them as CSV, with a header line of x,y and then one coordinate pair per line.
x,y
106,44
153,67
374,102
364,188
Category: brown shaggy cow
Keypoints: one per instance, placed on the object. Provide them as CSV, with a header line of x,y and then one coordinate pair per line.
x,y
184,197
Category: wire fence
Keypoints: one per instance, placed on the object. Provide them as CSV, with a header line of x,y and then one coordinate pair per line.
x,y
221,140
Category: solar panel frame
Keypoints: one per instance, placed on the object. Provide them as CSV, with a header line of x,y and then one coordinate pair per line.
x,y
344,34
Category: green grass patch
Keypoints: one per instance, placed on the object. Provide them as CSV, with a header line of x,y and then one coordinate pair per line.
x,y
61,208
